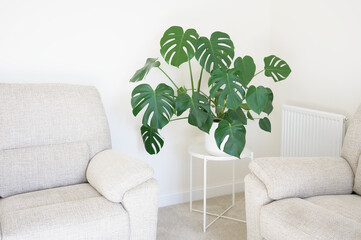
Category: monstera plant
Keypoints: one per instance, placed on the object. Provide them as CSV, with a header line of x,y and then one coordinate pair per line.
x,y
231,99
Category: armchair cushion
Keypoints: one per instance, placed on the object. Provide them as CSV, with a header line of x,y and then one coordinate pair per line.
x,y
112,174
35,168
303,177
73,212
322,218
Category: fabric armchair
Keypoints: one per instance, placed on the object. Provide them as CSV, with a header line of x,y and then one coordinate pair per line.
x,y
307,198
59,178
273,179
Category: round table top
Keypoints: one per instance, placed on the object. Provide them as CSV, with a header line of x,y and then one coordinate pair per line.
x,y
198,150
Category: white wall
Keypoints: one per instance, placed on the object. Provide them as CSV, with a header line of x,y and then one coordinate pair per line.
x,y
321,42
102,43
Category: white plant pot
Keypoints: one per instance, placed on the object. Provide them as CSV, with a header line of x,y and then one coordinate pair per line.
x,y
210,143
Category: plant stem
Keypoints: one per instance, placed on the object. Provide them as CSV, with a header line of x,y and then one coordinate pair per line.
x,y
175,119
190,71
168,77
204,94
259,72
200,80
214,115
210,99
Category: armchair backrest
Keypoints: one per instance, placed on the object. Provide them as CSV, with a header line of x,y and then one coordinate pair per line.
x,y
48,134
351,149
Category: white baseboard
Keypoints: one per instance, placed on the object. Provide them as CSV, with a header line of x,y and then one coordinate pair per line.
x,y
213,191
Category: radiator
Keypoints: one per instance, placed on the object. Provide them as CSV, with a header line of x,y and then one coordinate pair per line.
x,y
311,133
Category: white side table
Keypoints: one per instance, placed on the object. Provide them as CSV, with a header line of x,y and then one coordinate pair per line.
x,y
198,151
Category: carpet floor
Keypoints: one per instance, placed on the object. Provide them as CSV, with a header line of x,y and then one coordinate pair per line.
x,y
178,223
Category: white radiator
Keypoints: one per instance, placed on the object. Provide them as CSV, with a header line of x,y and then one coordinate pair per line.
x,y
311,133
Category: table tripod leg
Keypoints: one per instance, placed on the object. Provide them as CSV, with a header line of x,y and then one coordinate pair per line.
x,y
191,184
233,183
205,195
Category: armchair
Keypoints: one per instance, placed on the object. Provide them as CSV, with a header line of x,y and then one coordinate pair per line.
x,y
307,198
59,178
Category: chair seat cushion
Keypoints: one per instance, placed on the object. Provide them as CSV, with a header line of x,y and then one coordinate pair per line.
x,y
322,217
72,212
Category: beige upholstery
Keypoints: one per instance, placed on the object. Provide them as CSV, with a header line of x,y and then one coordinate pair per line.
x,y
39,122
142,213
49,135
307,198
324,218
256,196
351,149
303,177
113,174
56,165
47,114
357,184
73,212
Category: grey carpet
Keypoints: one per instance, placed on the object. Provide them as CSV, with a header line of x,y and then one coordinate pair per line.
x,y
178,223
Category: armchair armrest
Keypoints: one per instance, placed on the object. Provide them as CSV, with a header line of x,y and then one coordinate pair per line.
x,y
112,174
303,177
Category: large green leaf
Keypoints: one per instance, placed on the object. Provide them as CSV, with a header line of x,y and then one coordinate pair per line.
x,y
276,68
182,103
246,68
153,142
176,45
142,73
257,98
237,115
245,106
230,83
216,52
265,124
236,134
249,116
269,107
200,113
159,104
